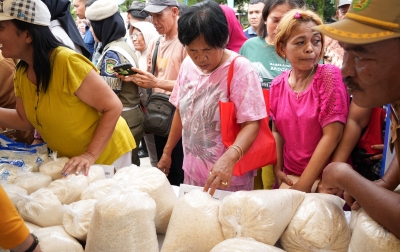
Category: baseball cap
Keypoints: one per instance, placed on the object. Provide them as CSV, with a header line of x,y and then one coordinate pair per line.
x,y
366,22
343,2
30,11
136,10
155,6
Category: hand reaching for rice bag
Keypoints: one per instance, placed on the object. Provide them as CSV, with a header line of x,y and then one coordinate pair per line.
x,y
79,164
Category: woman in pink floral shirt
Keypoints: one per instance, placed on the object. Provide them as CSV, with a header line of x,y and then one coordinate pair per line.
x,y
201,83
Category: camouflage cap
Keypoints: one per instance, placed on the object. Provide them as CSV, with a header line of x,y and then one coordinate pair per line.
x,y
155,6
367,21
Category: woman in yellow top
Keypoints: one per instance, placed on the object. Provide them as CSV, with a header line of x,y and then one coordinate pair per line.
x,y
60,94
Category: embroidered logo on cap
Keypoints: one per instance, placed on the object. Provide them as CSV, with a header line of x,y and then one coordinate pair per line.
x,y
359,5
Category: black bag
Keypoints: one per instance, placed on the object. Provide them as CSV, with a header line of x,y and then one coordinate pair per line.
x,y
159,111
159,114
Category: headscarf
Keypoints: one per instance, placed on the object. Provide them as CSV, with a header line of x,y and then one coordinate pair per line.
x,y
60,10
236,35
109,29
149,33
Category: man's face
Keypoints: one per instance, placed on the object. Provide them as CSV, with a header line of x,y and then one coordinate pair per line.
x,y
165,20
342,10
371,72
254,14
79,8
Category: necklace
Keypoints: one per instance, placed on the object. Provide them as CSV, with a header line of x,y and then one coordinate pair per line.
x,y
302,86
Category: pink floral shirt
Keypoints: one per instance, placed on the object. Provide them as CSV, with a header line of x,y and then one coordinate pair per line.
x,y
196,95
300,120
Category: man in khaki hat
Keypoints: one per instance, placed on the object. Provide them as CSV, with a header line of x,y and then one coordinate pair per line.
x,y
370,36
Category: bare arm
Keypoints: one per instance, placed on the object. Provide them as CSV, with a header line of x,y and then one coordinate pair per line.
x,y
105,102
381,204
148,80
331,135
280,176
221,171
357,120
25,245
174,135
15,118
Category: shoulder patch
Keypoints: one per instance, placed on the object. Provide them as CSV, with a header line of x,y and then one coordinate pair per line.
x,y
359,5
110,63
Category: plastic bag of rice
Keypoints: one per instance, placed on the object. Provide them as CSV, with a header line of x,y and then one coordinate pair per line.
x,y
52,239
262,214
53,166
194,224
32,181
14,192
96,172
77,216
243,244
155,183
319,224
97,189
69,189
123,222
368,235
41,208
32,227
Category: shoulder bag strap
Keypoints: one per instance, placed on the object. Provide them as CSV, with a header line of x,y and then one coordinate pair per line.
x,y
230,75
153,64
124,53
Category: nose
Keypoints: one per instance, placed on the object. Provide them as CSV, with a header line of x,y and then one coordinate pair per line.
x,y
348,69
309,48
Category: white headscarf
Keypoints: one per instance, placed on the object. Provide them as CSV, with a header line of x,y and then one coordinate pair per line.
x,y
149,34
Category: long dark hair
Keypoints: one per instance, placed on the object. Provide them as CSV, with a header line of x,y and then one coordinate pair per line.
x,y
43,42
269,5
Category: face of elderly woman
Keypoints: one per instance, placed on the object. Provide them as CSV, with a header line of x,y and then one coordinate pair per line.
x,y
138,40
303,47
14,42
206,58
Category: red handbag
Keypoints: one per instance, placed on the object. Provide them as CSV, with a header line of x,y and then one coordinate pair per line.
x,y
263,150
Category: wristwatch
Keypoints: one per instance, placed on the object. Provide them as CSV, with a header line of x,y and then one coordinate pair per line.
x,y
34,243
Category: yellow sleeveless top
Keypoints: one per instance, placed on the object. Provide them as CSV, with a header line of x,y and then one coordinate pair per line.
x,y
65,122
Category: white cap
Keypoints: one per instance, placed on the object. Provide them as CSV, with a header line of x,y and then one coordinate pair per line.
x,y
30,11
101,9
343,2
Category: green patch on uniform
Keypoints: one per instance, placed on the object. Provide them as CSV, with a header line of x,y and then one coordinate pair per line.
x,y
110,64
359,5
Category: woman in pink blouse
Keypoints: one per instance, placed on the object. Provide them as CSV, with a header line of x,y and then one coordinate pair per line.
x,y
309,104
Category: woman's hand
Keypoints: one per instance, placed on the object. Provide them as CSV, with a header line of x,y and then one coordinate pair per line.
x,y
142,78
165,163
281,177
79,163
220,175
334,191
377,147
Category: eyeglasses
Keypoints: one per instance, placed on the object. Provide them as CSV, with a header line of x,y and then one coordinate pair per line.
x,y
135,35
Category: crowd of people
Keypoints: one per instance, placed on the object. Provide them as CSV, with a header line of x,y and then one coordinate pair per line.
x,y
66,89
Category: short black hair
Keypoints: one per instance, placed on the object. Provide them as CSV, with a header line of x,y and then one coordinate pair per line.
x,y
256,1
269,5
207,19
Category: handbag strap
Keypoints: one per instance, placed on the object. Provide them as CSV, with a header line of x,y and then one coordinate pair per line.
x,y
230,75
153,64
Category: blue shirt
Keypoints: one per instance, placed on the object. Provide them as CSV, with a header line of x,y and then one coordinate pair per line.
x,y
89,40
249,32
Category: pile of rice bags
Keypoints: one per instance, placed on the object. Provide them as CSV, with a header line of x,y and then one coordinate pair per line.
x,y
194,224
123,222
69,189
155,183
262,214
319,224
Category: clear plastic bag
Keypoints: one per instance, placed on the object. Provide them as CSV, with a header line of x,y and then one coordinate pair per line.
x,y
194,224
41,208
98,189
77,216
155,183
319,224
54,166
69,189
52,239
123,222
32,181
368,235
14,192
96,172
262,214
243,244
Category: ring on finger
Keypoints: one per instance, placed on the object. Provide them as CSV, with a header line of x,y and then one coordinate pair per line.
x,y
76,173
224,183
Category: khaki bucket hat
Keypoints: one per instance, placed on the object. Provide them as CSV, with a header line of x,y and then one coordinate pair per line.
x,y
367,21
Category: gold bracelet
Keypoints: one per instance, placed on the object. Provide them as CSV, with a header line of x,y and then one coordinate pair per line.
x,y
238,149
